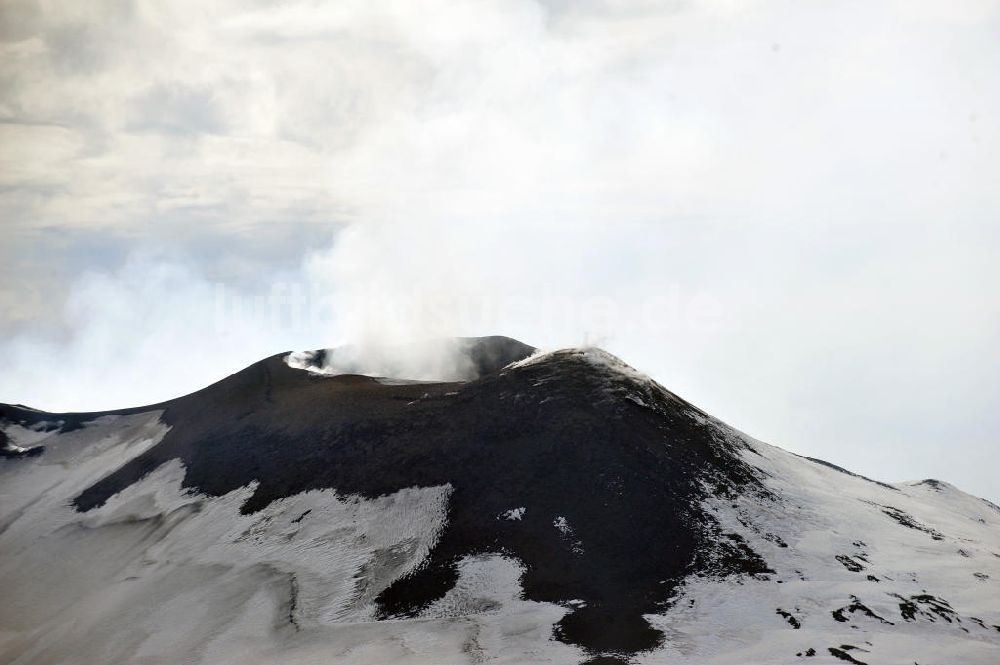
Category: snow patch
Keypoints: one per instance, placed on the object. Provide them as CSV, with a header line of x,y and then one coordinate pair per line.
x,y
848,576
562,524
509,629
160,573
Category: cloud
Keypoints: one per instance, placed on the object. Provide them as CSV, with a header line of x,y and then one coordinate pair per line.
x,y
784,212
176,110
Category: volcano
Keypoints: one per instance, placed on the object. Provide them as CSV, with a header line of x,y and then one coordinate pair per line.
x,y
524,507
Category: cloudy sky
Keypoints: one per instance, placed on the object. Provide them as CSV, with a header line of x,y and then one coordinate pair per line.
x,y
786,212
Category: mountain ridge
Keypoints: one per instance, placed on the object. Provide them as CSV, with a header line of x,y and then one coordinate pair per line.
x,y
602,499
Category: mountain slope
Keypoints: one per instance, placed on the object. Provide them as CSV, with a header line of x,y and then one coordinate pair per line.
x,y
554,508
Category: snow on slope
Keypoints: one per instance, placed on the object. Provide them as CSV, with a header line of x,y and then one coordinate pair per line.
x,y
162,574
863,571
882,574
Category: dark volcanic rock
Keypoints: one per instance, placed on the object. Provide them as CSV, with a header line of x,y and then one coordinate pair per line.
x,y
570,437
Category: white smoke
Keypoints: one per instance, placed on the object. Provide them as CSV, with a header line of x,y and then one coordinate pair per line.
x,y
782,212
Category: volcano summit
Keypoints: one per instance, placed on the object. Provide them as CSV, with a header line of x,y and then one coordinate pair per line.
x,y
511,507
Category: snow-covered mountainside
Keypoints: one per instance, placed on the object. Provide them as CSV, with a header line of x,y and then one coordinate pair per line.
x,y
548,508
